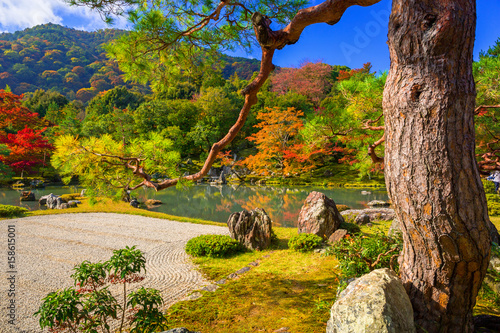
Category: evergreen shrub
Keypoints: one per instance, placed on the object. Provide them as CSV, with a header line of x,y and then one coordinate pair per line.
x,y
10,211
304,242
215,246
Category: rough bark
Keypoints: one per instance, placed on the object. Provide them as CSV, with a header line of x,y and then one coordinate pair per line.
x,y
430,167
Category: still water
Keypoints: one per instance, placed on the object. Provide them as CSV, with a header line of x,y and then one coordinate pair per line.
x,y
216,203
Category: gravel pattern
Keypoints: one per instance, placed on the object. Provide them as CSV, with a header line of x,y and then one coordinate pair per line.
x,y
48,247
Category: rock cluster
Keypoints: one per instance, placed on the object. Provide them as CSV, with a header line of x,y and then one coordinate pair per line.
x,y
374,303
253,229
319,216
53,201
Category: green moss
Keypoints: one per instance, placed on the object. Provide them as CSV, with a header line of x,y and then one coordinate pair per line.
x,y
11,211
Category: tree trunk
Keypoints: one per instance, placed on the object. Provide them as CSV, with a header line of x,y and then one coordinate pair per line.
x,y
430,167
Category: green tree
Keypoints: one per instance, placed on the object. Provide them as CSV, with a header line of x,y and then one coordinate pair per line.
x,y
41,101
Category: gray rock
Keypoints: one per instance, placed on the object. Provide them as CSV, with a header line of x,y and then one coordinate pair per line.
x,y
251,228
82,193
375,214
73,203
243,270
362,219
64,205
337,236
494,262
378,203
134,203
319,216
210,288
395,228
374,303
52,201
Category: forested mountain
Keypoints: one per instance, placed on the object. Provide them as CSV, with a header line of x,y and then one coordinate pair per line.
x,y
73,62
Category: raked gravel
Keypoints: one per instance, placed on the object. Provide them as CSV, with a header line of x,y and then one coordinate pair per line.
x,y
48,247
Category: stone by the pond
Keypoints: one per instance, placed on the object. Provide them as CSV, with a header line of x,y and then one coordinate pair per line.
x,y
337,236
27,196
374,303
63,205
319,216
74,203
378,203
51,200
134,203
251,228
375,214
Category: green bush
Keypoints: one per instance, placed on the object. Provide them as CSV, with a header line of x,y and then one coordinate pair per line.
x,y
361,254
9,211
215,246
304,242
350,227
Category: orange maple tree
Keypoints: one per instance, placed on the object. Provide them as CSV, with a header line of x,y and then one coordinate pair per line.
x,y
280,150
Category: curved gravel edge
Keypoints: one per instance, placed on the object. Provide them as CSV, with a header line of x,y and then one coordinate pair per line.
x,y
48,247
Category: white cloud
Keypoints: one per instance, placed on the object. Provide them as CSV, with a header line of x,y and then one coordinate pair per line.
x,y
20,14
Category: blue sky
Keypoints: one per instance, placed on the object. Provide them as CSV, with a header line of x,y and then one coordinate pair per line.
x,y
359,37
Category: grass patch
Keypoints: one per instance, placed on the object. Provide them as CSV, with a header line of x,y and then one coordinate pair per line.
x,y
287,289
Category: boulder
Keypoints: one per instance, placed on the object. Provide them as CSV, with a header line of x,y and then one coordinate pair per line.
x,y
362,219
251,228
74,203
366,192
494,262
134,203
378,203
319,215
153,202
395,228
27,196
337,236
374,303
63,205
52,201
82,193
375,214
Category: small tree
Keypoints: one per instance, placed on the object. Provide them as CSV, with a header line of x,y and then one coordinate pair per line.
x,y
91,307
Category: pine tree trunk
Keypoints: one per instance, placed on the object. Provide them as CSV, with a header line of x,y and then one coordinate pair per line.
x,y
430,167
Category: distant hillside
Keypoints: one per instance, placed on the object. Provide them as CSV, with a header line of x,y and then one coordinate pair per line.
x,y
73,62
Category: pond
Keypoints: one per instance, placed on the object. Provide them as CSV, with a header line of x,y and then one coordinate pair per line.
x,y
216,203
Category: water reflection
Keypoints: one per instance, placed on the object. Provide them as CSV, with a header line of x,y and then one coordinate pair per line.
x,y
216,203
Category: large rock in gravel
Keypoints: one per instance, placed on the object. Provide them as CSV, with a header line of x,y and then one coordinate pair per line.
x,y
251,228
374,303
319,215
375,214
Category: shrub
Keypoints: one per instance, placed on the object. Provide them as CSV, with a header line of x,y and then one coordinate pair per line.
x,y
488,185
361,254
9,211
91,306
304,242
215,246
350,227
